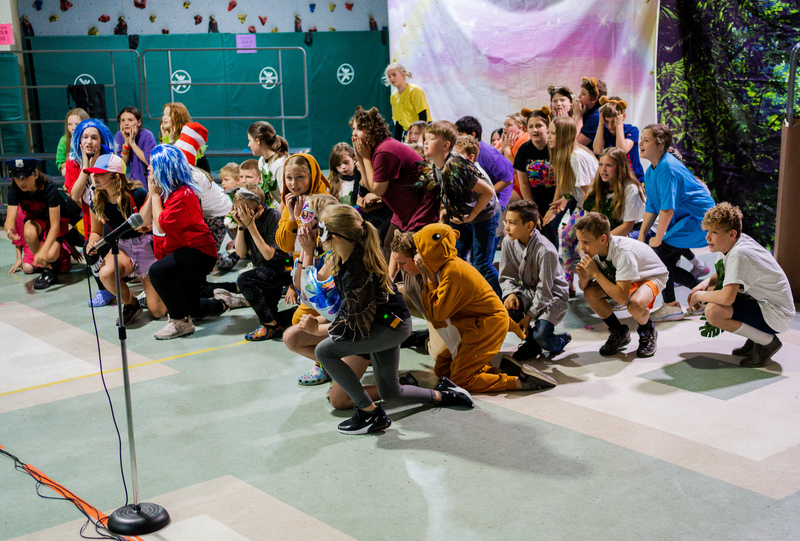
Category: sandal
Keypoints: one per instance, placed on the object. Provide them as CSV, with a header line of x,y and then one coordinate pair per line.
x,y
102,298
315,376
264,332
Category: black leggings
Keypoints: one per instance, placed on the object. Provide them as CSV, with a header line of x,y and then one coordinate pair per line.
x,y
670,255
178,277
262,287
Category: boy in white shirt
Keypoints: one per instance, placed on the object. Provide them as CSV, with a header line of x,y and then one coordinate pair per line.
x,y
752,297
626,270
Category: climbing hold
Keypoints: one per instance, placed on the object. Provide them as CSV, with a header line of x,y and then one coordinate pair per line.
x,y
312,7
141,4
242,17
122,27
153,18
198,19
53,18
93,31
331,7
164,31
348,6
37,5
231,5
251,29
274,29
186,5
65,5
331,29
263,19
298,27
104,18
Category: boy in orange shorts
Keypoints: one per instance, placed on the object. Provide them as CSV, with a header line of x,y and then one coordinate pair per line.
x,y
626,270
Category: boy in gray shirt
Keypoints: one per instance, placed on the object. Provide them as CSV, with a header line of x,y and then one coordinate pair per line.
x,y
532,281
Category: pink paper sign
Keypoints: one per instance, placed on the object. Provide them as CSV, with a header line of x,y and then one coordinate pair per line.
x,y
243,41
7,34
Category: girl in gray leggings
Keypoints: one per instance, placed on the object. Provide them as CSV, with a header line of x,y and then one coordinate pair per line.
x,y
373,318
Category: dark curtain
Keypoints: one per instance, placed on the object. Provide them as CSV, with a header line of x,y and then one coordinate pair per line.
x,y
723,67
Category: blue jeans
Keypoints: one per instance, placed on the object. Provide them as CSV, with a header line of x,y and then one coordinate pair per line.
x,y
481,241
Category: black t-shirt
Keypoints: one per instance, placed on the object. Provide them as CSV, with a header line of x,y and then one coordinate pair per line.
x,y
536,165
114,217
267,225
37,205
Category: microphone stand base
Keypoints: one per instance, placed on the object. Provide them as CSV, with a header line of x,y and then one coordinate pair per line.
x,y
138,520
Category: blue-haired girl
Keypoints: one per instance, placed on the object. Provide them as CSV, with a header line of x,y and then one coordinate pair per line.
x,y
90,139
182,242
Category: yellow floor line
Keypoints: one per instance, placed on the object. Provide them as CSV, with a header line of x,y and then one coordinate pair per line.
x,y
120,368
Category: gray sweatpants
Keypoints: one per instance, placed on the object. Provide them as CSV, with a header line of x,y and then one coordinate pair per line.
x,y
383,345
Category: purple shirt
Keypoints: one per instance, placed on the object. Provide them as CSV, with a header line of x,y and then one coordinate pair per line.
x,y
137,170
499,169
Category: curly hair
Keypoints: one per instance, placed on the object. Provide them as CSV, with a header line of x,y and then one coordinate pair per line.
x,y
372,124
724,216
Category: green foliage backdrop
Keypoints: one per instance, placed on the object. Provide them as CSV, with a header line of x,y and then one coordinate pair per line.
x,y
723,66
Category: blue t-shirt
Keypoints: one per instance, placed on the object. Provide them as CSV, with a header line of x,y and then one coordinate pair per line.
x,y
499,169
671,186
591,119
631,132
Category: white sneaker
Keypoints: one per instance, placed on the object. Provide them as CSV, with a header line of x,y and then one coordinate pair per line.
x,y
697,310
667,313
231,300
175,328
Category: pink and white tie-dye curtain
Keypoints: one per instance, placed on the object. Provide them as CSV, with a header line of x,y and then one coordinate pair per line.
x,y
488,58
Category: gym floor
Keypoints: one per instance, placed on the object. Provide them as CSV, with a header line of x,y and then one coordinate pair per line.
x,y
684,445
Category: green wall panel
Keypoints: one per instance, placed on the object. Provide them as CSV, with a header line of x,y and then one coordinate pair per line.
x,y
358,57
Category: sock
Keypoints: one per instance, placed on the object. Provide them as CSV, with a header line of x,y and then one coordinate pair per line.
x,y
759,337
647,326
613,324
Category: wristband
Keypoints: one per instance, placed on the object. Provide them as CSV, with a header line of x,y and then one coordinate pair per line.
x,y
126,147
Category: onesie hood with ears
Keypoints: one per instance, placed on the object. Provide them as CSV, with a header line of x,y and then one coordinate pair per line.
x,y
319,184
436,245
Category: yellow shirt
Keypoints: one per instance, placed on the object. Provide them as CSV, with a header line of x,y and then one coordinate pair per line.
x,y
407,106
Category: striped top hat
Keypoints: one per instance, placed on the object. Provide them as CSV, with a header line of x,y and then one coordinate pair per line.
x,y
193,137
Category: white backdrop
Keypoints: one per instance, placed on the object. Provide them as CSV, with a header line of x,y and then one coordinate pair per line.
x,y
488,58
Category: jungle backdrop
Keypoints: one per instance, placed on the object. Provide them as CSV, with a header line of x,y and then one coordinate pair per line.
x,y
723,67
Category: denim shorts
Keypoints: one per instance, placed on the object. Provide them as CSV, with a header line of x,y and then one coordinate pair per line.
x,y
140,250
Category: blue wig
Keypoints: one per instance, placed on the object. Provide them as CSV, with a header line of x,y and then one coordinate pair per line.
x,y
171,170
105,137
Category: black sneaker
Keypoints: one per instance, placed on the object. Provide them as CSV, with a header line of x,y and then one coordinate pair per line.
x,y
761,354
616,341
47,279
409,379
745,349
366,422
529,349
129,313
453,395
647,342
528,375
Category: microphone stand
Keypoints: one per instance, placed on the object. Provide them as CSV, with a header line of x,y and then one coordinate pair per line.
x,y
136,518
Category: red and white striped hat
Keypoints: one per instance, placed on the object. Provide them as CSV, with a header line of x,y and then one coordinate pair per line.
x,y
193,136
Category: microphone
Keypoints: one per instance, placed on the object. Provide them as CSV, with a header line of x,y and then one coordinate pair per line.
x,y
134,222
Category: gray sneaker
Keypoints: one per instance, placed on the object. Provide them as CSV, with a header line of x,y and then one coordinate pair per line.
x,y
175,328
231,300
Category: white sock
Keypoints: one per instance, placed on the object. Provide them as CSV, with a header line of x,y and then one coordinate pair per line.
x,y
759,337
